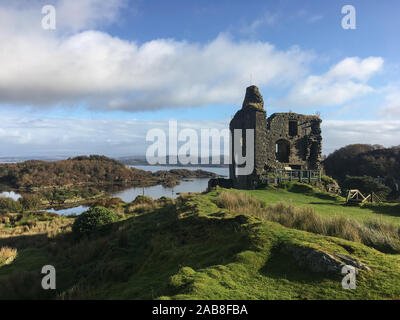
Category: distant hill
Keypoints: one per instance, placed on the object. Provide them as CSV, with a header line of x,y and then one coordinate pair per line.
x,y
73,171
364,160
142,161
88,170
22,159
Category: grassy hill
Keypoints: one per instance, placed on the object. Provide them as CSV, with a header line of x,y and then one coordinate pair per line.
x,y
219,245
325,204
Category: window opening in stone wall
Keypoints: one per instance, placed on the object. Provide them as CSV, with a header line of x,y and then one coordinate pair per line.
x,y
293,128
282,150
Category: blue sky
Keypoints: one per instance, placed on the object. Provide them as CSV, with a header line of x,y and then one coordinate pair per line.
x,y
126,66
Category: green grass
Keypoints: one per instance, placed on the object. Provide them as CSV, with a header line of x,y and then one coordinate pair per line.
x,y
192,249
326,204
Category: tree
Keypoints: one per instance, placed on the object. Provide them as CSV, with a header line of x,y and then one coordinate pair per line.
x,y
30,202
93,219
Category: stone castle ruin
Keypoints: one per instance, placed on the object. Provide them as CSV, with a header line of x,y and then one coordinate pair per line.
x,y
287,141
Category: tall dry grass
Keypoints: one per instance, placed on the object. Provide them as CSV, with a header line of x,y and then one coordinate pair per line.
x,y
52,228
7,255
375,234
240,202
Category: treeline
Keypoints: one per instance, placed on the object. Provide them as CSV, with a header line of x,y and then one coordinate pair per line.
x,y
366,167
92,169
364,159
26,203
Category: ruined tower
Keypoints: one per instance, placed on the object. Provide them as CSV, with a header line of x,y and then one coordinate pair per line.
x,y
282,141
251,116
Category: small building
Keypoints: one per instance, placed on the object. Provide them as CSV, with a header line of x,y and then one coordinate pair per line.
x,y
281,141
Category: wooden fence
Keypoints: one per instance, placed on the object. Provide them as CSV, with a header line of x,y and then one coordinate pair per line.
x,y
355,196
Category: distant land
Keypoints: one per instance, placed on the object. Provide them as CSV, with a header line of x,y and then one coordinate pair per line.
x,y
127,160
22,159
142,161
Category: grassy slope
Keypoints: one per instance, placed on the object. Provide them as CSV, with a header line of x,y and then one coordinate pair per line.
x,y
325,204
199,251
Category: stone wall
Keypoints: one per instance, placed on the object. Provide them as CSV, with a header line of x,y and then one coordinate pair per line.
x,y
251,116
282,140
294,140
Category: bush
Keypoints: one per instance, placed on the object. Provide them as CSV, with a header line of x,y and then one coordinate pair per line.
x,y
93,219
109,203
9,205
143,199
30,202
142,204
7,255
330,185
239,202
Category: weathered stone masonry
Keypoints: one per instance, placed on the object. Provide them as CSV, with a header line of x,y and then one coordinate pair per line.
x,y
283,140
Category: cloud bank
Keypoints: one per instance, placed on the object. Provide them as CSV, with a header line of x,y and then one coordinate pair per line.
x,y
106,72
344,82
78,65
52,137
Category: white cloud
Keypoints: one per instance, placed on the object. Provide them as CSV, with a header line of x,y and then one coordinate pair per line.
x,y
51,137
344,82
68,68
268,19
106,72
391,107
77,15
338,133
24,17
355,68
68,136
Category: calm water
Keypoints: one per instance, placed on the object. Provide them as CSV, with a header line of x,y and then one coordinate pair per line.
x,y
155,192
76,210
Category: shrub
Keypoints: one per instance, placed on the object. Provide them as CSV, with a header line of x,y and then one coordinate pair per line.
x,y
141,204
7,255
239,202
139,208
143,199
10,205
30,202
109,203
94,218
